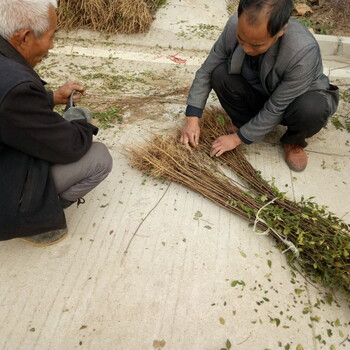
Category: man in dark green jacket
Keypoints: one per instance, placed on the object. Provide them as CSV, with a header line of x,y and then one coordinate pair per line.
x,y
47,162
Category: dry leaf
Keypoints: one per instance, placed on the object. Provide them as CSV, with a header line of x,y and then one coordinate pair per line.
x,y
302,9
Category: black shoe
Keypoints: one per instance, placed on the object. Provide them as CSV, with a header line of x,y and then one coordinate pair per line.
x,y
65,203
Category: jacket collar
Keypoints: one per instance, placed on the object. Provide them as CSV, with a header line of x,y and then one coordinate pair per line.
x,y
7,50
267,63
237,60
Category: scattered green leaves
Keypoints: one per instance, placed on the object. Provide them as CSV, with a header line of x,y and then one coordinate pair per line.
x,y
237,282
197,215
276,321
109,118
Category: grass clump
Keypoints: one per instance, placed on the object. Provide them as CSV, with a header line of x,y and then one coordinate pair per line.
x,y
112,16
109,118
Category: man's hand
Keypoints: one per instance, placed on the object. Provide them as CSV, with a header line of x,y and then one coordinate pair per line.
x,y
225,143
191,131
61,96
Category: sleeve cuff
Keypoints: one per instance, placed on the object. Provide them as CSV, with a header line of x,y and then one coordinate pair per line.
x,y
194,111
49,94
246,141
94,129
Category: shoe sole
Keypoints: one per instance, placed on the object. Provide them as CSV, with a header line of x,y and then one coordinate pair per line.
x,y
297,170
36,244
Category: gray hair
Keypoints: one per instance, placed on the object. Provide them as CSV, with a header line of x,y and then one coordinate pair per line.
x,y
24,14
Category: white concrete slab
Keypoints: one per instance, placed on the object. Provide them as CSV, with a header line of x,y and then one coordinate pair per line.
x,y
334,45
150,264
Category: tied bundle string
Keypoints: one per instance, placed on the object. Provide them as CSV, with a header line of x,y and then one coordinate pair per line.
x,y
177,59
289,244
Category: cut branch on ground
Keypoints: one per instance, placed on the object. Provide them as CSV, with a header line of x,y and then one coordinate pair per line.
x,y
315,239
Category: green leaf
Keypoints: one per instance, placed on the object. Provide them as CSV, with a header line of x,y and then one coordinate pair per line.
x,y
329,298
221,119
197,215
275,320
337,323
263,198
243,254
222,320
269,263
234,283
299,291
228,344
299,347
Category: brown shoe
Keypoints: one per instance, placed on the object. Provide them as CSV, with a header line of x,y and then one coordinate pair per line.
x,y
47,238
295,156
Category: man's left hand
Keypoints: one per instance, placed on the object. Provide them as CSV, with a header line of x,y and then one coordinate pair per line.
x,y
225,143
61,96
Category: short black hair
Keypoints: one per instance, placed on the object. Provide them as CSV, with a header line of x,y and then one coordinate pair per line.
x,y
278,12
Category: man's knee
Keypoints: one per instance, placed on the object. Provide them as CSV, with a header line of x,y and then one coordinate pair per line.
x,y
103,161
225,84
218,75
310,108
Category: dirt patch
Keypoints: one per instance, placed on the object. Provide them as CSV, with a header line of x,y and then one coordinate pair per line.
x,y
327,17
137,107
324,17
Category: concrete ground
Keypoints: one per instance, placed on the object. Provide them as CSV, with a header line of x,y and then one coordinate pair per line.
x,y
148,265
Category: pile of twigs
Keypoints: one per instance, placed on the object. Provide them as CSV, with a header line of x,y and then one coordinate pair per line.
x,y
116,16
314,237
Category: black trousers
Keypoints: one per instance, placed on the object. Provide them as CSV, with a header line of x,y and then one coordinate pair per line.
x,y
304,117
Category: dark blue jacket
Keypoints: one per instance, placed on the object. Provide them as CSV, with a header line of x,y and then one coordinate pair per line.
x,y
32,138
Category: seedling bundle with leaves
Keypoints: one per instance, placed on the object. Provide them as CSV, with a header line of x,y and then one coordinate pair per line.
x,y
312,236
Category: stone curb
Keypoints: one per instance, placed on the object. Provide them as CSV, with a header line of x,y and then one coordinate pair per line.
x,y
332,45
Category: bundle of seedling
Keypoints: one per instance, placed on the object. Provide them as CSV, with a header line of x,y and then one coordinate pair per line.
x,y
113,16
312,237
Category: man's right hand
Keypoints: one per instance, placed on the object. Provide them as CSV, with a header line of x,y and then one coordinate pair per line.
x,y
191,131
61,96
